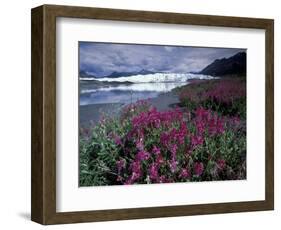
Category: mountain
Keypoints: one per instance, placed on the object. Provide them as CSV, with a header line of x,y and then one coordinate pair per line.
x,y
227,66
144,72
128,74
84,74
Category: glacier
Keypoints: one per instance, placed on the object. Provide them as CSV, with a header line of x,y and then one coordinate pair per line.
x,y
153,78
140,87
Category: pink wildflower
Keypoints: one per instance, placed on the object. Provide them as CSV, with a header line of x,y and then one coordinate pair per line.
x,y
184,174
159,159
173,165
198,168
196,140
117,140
173,150
120,165
156,150
221,164
142,155
153,171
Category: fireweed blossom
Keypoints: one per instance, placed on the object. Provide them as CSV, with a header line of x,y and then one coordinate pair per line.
x,y
221,164
153,172
159,159
208,121
120,165
174,141
117,140
136,172
174,151
184,173
156,150
139,144
198,168
225,92
196,140
173,165
143,155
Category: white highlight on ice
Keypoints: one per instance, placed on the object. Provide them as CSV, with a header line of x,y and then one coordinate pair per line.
x,y
140,87
156,77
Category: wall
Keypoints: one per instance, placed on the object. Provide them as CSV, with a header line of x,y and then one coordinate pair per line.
x,y
15,112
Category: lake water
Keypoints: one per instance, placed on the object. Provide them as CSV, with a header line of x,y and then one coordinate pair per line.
x,y
123,93
129,89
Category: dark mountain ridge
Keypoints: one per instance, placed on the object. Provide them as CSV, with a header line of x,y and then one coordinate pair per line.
x,y
115,74
85,74
128,74
234,65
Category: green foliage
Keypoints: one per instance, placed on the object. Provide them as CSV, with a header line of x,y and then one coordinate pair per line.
x,y
207,144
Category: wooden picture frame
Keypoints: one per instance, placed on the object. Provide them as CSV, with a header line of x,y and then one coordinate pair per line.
x,y
43,202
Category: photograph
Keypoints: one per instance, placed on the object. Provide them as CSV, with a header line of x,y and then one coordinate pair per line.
x,y
152,114
141,114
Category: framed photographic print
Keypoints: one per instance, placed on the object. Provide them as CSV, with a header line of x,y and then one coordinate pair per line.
x,y
141,114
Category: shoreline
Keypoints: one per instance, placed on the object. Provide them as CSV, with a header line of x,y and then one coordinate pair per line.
x,y
91,114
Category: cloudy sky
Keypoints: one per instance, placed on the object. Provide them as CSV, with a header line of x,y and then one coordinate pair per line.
x,y
101,59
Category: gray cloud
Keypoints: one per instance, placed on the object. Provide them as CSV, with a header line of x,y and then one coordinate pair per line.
x,y
102,59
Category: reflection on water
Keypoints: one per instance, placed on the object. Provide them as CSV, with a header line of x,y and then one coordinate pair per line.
x,y
123,93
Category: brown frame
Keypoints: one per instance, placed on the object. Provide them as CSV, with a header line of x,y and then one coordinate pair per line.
x,y
43,188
